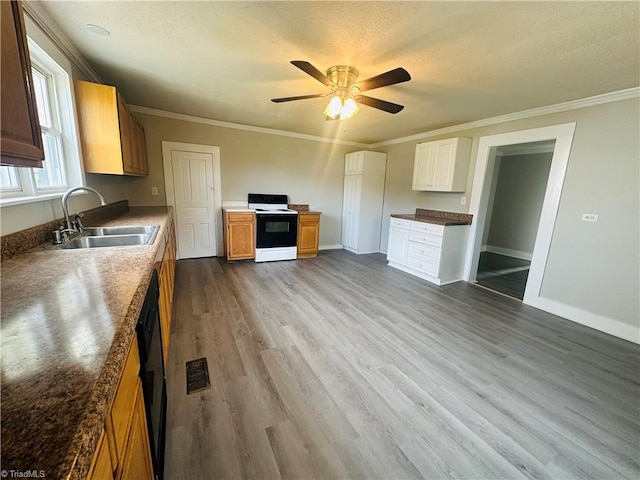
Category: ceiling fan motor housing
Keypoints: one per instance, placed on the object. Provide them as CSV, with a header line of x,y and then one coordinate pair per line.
x,y
343,77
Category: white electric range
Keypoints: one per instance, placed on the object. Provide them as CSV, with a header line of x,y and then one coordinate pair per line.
x,y
276,227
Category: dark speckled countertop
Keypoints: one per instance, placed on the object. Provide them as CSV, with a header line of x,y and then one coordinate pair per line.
x,y
436,217
68,318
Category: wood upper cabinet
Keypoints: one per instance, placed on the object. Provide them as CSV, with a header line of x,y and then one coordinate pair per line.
x,y
240,235
112,141
308,234
21,137
442,165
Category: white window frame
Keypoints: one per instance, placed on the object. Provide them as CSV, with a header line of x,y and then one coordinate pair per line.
x,y
58,68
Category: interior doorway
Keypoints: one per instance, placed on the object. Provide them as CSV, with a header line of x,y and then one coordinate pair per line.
x,y
488,148
520,176
193,189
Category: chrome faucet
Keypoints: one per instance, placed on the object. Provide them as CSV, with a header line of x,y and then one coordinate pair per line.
x,y
68,224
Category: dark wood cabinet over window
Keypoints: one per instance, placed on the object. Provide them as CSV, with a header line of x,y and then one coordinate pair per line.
x,y
21,138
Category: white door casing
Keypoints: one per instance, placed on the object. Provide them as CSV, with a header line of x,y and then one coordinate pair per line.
x,y
193,189
563,136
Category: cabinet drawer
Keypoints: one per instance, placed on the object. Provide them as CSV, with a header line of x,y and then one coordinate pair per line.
x,y
400,223
309,218
426,239
240,217
429,228
427,252
423,265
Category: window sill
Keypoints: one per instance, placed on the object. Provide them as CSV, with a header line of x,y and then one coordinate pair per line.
x,y
14,201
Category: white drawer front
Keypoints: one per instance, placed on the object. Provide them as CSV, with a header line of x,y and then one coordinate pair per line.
x,y
423,265
426,239
430,253
400,223
429,228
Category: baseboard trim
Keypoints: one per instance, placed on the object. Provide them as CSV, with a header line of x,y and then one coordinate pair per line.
x,y
601,323
507,252
330,247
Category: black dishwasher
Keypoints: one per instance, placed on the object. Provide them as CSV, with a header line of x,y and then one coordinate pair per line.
x,y
152,374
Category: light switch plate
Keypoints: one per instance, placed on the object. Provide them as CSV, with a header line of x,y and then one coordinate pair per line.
x,y
589,217
154,190
463,200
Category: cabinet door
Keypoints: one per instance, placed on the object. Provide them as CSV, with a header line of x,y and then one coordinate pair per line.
x,y
443,164
141,143
101,466
398,246
137,456
125,136
350,214
21,137
423,166
353,163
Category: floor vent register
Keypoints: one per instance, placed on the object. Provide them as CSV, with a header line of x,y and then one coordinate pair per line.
x,y
197,375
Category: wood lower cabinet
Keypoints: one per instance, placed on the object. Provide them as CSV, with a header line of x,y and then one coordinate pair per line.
x,y
112,141
167,282
308,234
137,461
101,467
21,136
128,452
240,235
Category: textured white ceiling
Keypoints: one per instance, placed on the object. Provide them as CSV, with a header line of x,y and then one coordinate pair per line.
x,y
468,60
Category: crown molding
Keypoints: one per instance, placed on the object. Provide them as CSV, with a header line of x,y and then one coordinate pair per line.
x,y
238,126
51,30
534,112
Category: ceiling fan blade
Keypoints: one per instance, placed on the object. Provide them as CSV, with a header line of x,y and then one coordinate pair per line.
x,y
397,75
309,69
380,104
301,97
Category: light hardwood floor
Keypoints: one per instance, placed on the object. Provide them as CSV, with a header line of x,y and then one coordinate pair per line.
x,y
340,367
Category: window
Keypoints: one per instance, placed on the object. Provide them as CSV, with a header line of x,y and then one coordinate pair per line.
x,y
61,168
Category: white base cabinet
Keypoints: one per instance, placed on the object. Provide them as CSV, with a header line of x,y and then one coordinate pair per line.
x,y
435,253
364,175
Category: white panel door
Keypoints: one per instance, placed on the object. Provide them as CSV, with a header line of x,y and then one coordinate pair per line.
x,y
194,203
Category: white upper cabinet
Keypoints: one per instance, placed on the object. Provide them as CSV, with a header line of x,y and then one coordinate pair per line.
x,y
353,163
362,201
442,166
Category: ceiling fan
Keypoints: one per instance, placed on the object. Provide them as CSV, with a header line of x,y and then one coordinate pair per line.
x,y
345,92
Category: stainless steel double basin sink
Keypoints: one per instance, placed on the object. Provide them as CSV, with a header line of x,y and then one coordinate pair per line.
x,y
116,236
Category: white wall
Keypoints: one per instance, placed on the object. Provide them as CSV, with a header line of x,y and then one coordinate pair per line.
x,y
307,171
592,267
520,190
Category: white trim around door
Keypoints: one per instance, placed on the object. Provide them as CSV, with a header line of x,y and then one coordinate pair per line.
x,y
485,160
167,149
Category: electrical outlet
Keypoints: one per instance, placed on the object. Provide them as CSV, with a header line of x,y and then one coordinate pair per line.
x,y
154,190
463,200
589,217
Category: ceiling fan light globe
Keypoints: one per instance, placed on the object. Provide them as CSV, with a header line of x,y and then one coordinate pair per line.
x,y
334,107
349,109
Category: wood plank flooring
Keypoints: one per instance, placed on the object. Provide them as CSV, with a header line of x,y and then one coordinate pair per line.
x,y
341,367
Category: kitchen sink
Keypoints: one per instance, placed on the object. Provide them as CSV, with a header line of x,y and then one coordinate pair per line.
x,y
108,241
115,236
150,230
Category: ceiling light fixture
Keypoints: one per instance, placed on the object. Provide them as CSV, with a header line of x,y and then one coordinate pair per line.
x,y
341,107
